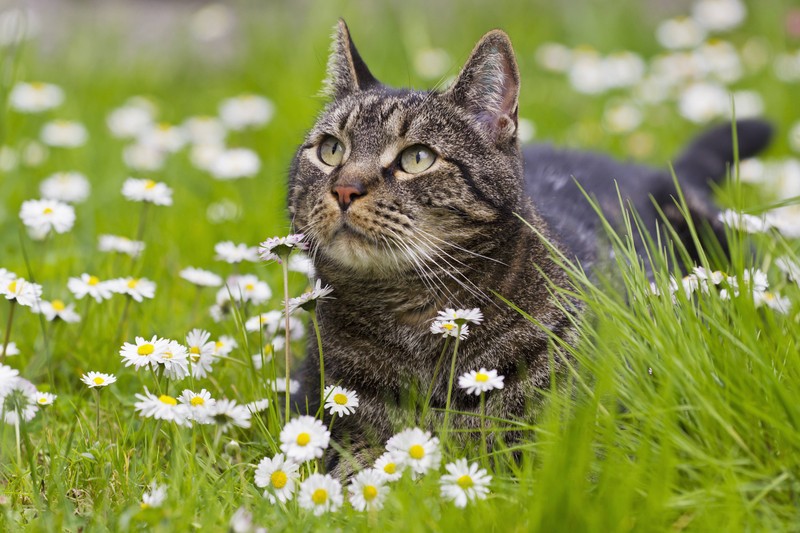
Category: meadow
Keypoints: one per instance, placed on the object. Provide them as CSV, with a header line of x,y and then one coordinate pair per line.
x,y
678,410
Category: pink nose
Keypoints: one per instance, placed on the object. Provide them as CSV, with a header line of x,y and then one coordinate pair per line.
x,y
345,194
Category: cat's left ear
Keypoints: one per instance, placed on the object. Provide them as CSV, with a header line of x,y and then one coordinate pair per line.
x,y
347,72
488,86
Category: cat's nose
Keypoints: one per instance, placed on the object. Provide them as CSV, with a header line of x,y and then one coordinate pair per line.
x,y
346,194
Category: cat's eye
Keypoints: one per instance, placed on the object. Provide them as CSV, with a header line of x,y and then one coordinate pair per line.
x,y
331,151
416,159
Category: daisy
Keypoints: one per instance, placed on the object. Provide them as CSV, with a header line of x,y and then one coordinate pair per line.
x,y
6,277
143,190
449,328
388,467
162,407
416,449
64,134
308,301
270,348
156,496
200,277
57,309
162,136
129,121
279,476
304,438
204,130
773,301
123,245
460,316
368,490
136,288
43,216
203,157
201,352
18,401
279,248
301,263
199,405
175,360
233,253
225,345
143,157
464,482
227,414
96,379
744,222
272,323
35,97
235,163
248,288
11,349
787,265
45,398
247,110
320,494
144,352
8,376
719,15
340,401
21,291
279,385
89,285
70,187
755,279
257,406
481,381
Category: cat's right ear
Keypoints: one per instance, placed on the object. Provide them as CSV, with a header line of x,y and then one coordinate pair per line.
x,y
488,86
347,72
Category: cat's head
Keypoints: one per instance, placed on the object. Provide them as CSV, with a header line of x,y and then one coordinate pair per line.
x,y
389,178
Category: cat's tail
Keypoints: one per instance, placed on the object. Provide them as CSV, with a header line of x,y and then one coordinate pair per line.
x,y
709,156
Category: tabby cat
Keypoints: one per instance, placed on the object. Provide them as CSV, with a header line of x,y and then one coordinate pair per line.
x,y
409,200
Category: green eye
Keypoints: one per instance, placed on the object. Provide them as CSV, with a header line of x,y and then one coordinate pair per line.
x,y
331,151
416,159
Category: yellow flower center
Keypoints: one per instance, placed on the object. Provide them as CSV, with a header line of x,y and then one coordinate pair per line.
x,y
278,479
144,505
38,85
145,349
194,350
370,492
169,400
448,326
340,398
219,344
12,287
98,381
320,496
167,355
303,439
194,358
133,283
465,482
93,280
197,400
58,305
163,126
480,377
249,287
416,452
47,211
390,468
149,184
43,400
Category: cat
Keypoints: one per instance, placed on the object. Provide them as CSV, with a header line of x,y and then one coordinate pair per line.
x,y
409,202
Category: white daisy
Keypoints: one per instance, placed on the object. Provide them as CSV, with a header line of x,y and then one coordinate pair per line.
x,y
200,405
18,401
144,352
231,252
235,163
136,288
162,407
368,490
787,265
308,300
129,121
464,482
460,316
225,345
448,328
248,288
340,401
203,157
123,245
175,360
304,438
416,449
279,476
247,110
703,101
162,136
755,279
8,376
11,349
89,285
279,385
204,130
23,292
744,222
200,277
33,153
301,263
481,381
35,97
70,187
97,379
773,301
388,467
57,309
155,497
43,216
6,277
201,352
257,406
45,398
719,15
279,248
227,414
142,190
320,494
143,157
64,134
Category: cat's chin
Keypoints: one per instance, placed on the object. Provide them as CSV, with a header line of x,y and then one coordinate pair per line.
x,y
355,252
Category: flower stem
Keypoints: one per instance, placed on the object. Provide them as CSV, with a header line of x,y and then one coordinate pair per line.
x,y
19,449
97,418
483,428
436,369
8,328
285,266
446,426
321,359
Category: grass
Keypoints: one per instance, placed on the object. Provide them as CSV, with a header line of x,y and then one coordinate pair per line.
x,y
672,416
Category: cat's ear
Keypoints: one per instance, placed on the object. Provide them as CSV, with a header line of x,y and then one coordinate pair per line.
x,y
347,72
488,86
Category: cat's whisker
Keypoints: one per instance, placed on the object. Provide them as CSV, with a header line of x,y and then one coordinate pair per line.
x,y
457,247
424,271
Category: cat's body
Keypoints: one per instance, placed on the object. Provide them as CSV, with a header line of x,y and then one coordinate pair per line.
x,y
410,200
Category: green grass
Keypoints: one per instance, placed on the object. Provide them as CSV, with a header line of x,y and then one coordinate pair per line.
x,y
671,417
